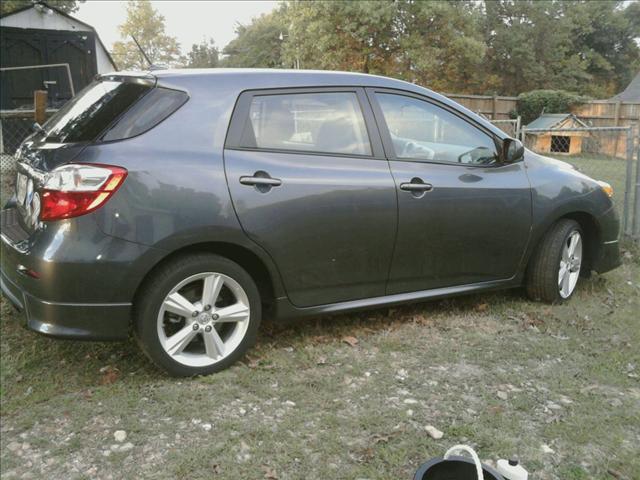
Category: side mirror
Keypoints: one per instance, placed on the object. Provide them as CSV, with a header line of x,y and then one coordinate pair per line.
x,y
512,150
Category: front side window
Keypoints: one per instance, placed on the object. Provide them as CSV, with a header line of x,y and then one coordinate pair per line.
x,y
422,131
330,122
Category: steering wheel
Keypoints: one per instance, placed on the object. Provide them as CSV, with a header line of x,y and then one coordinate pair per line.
x,y
413,150
481,160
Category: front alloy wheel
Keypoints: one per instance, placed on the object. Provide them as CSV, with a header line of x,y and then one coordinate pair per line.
x,y
554,268
198,315
570,264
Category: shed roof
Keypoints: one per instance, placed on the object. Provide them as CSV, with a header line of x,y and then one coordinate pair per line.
x,y
553,120
631,93
20,18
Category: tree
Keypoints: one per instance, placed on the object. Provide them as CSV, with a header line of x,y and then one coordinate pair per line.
x,y
605,35
203,55
355,36
441,46
495,46
259,44
147,26
436,43
583,46
67,6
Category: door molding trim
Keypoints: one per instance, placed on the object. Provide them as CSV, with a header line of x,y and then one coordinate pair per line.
x,y
284,309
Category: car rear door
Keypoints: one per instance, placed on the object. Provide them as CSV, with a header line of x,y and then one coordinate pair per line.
x,y
463,217
310,184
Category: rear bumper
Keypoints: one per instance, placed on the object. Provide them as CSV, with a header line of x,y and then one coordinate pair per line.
x,y
82,286
69,320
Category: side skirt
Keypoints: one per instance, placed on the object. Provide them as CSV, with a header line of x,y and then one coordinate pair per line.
x,y
284,309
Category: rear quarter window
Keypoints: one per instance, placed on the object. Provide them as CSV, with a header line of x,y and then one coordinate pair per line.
x,y
89,113
148,112
110,110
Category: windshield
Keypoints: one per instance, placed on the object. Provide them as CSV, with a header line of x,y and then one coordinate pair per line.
x,y
92,111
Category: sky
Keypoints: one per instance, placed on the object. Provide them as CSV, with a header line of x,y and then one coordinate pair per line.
x,y
189,21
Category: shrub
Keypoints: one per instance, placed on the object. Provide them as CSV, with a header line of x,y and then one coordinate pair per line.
x,y
531,104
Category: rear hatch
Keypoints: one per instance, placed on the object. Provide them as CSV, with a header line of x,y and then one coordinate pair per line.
x,y
89,116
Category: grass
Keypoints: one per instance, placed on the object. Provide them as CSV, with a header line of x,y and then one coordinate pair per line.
x,y
306,404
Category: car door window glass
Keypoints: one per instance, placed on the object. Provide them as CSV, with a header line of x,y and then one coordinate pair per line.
x,y
329,122
422,131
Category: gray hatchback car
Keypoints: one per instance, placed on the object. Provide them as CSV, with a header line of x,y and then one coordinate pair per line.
x,y
183,206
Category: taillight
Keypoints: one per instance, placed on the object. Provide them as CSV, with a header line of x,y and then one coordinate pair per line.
x,y
77,189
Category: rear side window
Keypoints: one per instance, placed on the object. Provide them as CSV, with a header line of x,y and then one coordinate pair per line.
x,y
330,122
95,108
150,110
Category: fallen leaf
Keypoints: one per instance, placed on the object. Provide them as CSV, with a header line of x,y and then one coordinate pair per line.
x,y
109,375
269,472
216,468
353,341
481,307
496,409
616,474
383,438
253,362
321,360
320,339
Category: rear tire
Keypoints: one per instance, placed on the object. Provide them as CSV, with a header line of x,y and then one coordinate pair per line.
x,y
197,315
554,268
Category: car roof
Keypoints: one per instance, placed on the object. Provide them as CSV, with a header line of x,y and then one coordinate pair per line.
x,y
283,76
264,78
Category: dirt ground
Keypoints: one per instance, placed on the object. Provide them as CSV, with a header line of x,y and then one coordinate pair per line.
x,y
346,397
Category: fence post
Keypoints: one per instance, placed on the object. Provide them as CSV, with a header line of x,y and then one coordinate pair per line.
x,y
627,187
40,106
494,109
518,132
635,223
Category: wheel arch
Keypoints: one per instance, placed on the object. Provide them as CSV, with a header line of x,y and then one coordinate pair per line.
x,y
592,235
267,280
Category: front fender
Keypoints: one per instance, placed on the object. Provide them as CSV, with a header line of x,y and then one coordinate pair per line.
x,y
558,190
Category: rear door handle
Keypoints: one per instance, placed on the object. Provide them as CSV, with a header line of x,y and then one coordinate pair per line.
x,y
271,182
261,181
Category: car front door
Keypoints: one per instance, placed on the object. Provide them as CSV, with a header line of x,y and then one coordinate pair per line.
x,y
463,217
310,184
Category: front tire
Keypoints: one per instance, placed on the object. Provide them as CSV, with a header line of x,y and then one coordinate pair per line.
x,y
197,315
554,269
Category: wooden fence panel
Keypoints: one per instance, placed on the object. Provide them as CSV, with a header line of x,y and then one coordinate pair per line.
x,y
598,113
494,108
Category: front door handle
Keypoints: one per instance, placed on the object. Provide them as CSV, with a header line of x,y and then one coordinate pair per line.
x,y
261,180
417,187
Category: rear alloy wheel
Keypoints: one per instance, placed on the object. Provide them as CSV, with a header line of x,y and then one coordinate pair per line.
x,y
205,314
554,269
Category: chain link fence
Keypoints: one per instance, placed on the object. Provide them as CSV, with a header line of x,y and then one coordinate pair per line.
x,y
15,126
603,153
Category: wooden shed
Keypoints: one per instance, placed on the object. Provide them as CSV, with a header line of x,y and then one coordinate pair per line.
x,y
557,141
37,42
